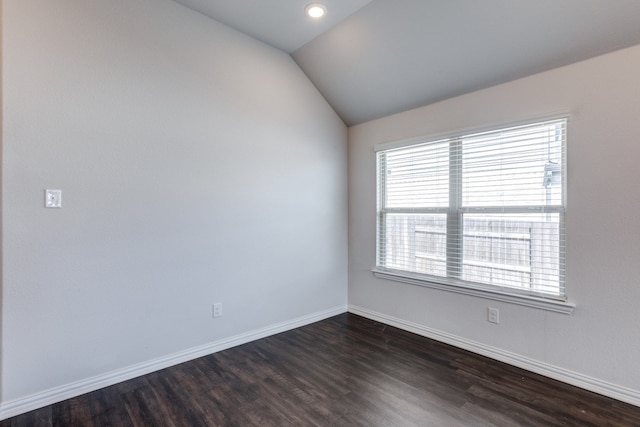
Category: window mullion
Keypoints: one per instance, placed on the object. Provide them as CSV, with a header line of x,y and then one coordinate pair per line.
x,y
382,204
454,216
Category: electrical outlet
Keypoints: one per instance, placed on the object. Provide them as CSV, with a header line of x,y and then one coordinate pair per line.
x,y
217,309
493,315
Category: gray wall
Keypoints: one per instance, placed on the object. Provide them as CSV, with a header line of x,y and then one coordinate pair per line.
x,y
197,165
599,343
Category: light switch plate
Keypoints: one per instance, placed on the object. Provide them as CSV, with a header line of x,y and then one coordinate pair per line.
x,y
53,198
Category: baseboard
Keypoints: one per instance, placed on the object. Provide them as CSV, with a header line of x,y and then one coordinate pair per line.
x,y
57,394
579,380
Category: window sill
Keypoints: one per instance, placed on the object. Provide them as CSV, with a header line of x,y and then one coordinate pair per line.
x,y
492,294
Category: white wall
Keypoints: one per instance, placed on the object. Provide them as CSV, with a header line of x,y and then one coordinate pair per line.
x,y
597,345
197,165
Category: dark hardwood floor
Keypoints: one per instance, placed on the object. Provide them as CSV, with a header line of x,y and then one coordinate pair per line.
x,y
343,371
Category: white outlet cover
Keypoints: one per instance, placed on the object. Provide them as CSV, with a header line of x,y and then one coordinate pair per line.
x,y
217,309
53,198
493,315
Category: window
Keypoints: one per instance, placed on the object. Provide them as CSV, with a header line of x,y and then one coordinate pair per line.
x,y
482,211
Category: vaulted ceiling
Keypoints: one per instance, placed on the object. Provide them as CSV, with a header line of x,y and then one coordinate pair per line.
x,y
372,58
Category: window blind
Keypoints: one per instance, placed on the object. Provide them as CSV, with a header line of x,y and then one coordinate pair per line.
x,y
479,210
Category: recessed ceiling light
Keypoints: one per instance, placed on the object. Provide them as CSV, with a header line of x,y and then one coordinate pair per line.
x,y
315,10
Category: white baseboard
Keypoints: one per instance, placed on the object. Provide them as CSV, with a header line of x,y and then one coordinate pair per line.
x,y
57,394
579,380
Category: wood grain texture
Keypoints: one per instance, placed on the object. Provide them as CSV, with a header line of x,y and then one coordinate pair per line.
x,y
343,371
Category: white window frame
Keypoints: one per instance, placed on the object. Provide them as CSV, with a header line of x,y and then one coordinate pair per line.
x,y
454,214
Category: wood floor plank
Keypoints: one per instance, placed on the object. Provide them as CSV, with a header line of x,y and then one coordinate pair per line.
x,y
38,418
343,371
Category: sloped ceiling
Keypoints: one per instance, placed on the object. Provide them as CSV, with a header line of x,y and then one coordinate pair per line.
x,y
280,23
386,56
